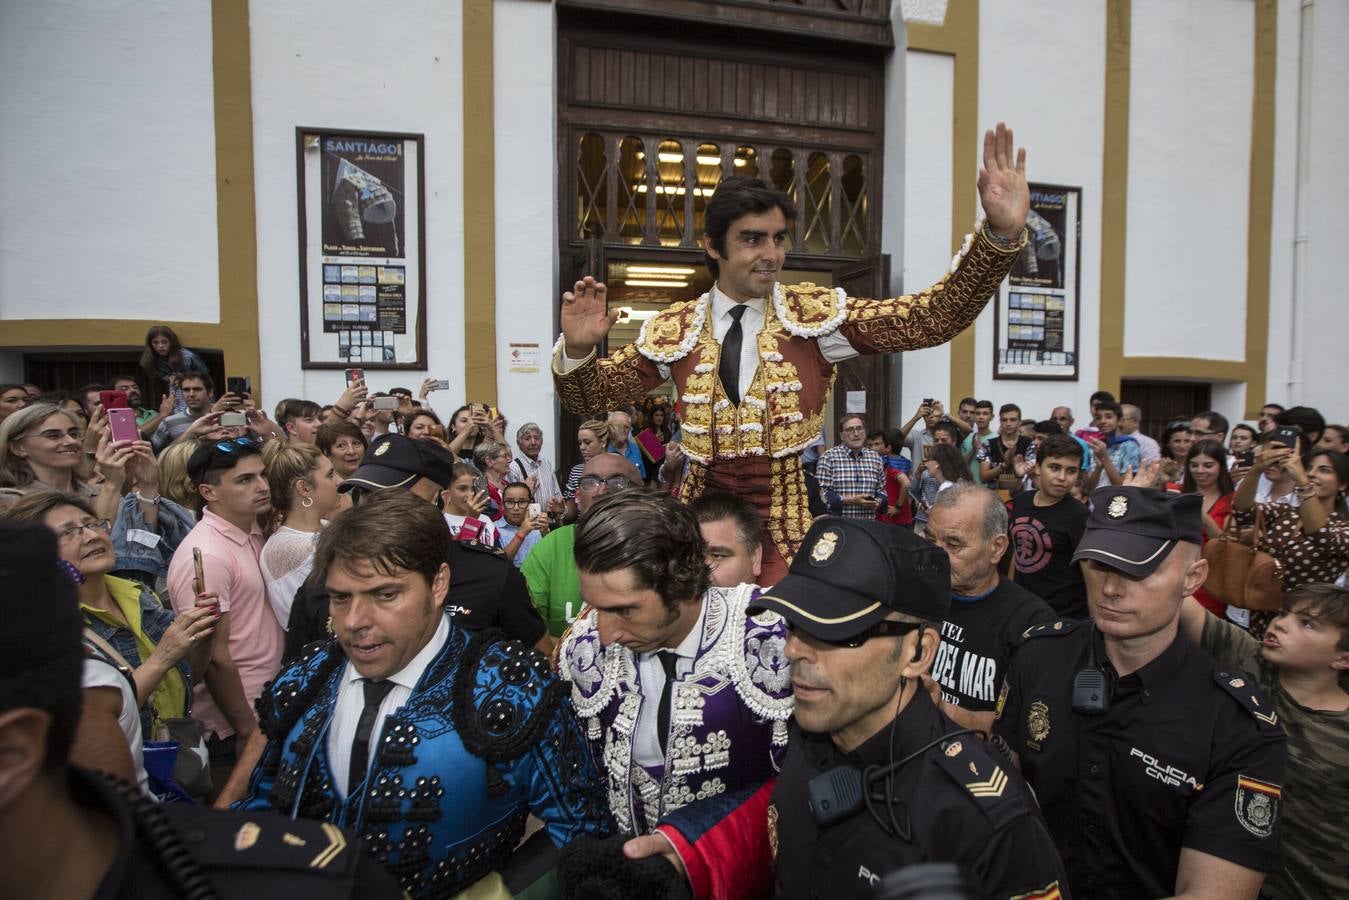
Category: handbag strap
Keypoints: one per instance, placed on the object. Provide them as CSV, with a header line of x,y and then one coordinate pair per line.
x,y
117,660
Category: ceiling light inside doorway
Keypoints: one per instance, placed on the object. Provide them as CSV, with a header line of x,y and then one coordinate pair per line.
x,y
630,282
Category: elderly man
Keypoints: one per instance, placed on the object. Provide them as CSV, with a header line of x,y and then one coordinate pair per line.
x,y
683,695
1130,423
1159,772
988,615
753,360
434,743
550,569
531,468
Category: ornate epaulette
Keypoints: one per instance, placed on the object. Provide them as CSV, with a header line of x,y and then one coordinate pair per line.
x,y
969,764
1049,629
671,334
808,310
504,697
286,697
1252,699
760,670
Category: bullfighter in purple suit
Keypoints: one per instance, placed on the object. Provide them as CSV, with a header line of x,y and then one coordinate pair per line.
x,y
682,694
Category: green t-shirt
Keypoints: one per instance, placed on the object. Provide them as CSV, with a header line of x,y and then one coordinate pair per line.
x,y
554,586
1315,826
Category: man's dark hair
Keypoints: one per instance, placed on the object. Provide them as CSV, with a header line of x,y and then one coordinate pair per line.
x,y
1278,406
1244,427
208,462
876,435
1217,422
1326,603
1009,407
717,505
205,380
1101,397
894,439
1059,446
112,382
946,425
1308,418
966,401
983,404
390,530
517,486
294,408
737,196
1049,427
653,535
1111,406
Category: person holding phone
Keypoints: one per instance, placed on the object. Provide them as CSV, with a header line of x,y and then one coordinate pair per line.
x,y
522,524
466,502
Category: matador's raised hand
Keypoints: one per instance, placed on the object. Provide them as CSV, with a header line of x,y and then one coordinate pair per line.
x,y
586,317
1002,183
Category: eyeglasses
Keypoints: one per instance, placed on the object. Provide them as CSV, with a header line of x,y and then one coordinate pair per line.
x,y
101,526
853,428
55,434
515,502
883,628
613,482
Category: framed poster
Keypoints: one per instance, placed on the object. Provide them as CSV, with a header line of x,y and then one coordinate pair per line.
x,y
362,249
1037,315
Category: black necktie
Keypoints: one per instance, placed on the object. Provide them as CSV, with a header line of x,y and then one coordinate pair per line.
x,y
375,692
668,660
729,366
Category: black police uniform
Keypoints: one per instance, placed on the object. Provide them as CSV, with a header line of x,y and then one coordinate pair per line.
x,y
486,591
1186,755
182,851
957,801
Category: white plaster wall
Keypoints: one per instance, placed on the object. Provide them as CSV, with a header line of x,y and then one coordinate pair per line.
x,y
1326,314
1192,75
1282,209
527,290
107,162
1054,100
342,64
928,113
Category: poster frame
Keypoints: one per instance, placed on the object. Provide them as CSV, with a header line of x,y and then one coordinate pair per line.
x,y
309,257
1072,300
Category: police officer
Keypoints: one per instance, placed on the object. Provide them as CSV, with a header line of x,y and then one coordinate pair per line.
x,y
1158,772
864,602
75,833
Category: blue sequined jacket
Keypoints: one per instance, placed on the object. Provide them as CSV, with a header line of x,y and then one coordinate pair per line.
x,y
486,738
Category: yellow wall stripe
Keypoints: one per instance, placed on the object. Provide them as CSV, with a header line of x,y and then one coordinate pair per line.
x,y
1114,193
1259,219
480,365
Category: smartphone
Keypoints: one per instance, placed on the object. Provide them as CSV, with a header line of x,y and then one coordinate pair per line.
x,y
927,401
112,400
1246,459
479,484
122,424
199,578
478,408
535,510
239,384
355,375
1286,435
233,420
384,403
441,384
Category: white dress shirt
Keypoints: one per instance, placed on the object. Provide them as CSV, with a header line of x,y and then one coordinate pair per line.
x,y
351,701
651,674
833,346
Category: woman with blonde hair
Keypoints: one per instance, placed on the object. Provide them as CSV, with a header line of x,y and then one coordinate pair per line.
x,y
42,446
303,483
591,439
174,482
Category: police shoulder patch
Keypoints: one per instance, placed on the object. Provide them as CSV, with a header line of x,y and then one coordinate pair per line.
x,y
968,763
1049,629
1251,698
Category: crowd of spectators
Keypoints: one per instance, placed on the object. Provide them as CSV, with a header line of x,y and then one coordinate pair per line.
x,y
193,545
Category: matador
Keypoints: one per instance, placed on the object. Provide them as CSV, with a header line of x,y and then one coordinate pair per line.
x,y
753,360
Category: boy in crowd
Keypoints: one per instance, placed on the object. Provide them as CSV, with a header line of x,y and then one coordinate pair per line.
x,y
974,441
1047,524
890,446
1007,453
1300,666
1122,448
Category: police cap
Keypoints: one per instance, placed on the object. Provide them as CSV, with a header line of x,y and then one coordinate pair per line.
x,y
1134,529
393,460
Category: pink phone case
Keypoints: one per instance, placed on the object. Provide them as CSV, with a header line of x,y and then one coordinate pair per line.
x,y
122,425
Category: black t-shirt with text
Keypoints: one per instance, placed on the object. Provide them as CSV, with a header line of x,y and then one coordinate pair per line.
x,y
978,639
1044,539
